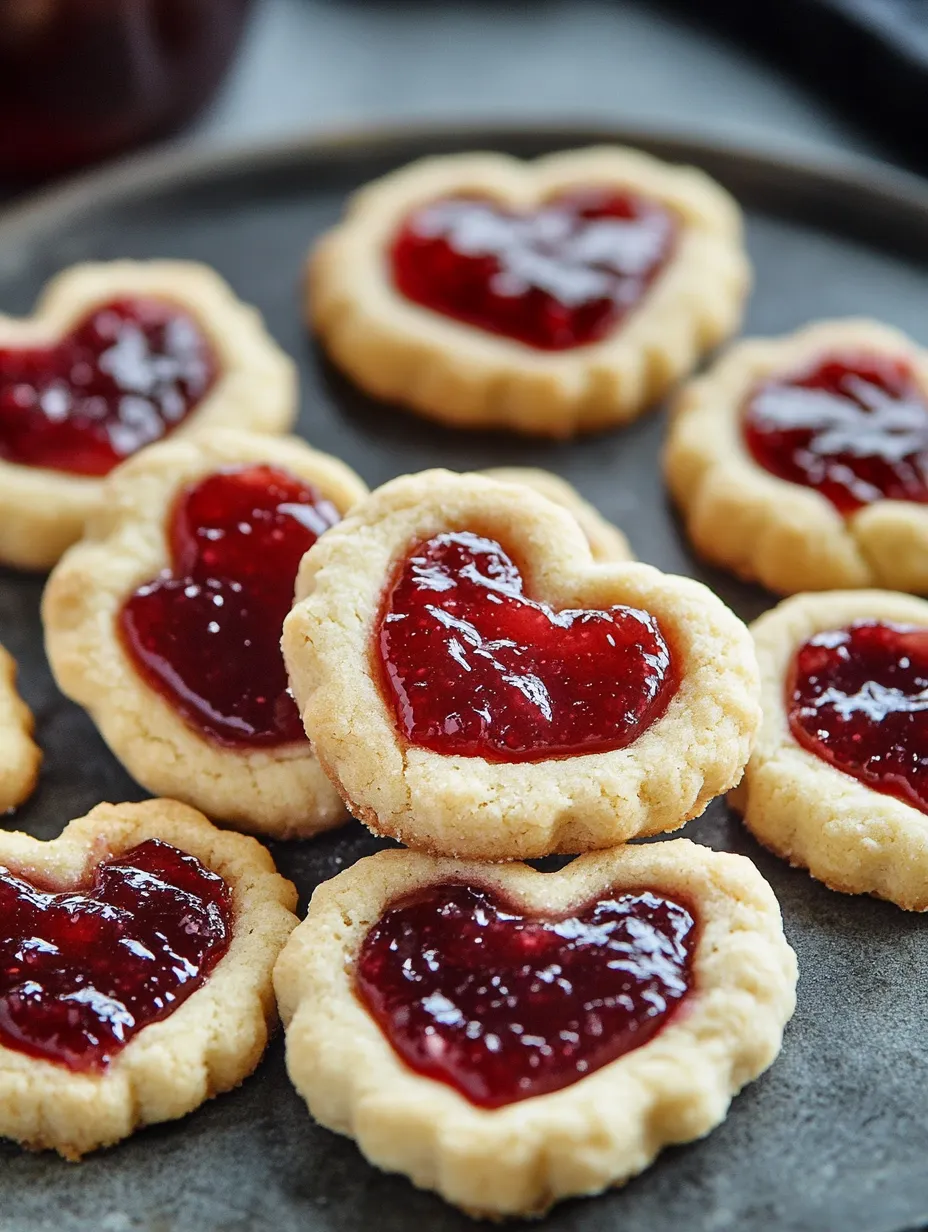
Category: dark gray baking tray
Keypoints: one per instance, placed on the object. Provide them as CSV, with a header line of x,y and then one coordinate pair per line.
x,y
835,1136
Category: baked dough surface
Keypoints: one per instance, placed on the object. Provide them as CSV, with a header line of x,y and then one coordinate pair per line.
x,y
606,541
20,756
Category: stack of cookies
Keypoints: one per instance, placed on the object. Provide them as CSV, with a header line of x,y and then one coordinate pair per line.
x,y
474,666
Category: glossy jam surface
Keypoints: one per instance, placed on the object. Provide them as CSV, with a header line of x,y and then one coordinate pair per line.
x,y
82,971
206,633
858,698
855,428
561,276
504,1006
124,377
473,667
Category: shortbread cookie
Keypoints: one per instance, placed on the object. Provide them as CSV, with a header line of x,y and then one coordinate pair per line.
x,y
802,462
606,541
20,756
639,990
116,356
838,782
149,939
476,685
164,622
554,297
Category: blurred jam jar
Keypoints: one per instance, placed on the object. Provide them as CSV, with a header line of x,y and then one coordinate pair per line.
x,y
84,79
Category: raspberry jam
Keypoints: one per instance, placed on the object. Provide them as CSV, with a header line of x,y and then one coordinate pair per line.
x,y
125,376
82,971
206,633
858,699
563,275
503,1006
474,668
855,428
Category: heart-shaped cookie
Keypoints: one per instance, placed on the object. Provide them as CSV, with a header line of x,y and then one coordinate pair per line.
x,y
836,783
800,462
117,356
20,757
551,297
451,734
135,964
164,622
509,1037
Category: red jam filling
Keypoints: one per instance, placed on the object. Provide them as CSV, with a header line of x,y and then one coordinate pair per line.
x,y
206,633
474,668
125,376
82,971
504,1006
854,428
858,699
563,275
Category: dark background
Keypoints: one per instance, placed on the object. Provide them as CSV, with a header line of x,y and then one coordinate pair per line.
x,y
312,64
823,77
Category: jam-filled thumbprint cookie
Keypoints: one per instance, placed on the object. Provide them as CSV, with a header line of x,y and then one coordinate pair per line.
x,y
510,1038
838,782
475,684
164,622
20,756
117,356
802,462
551,297
136,959
606,541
